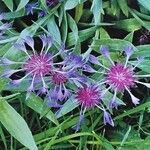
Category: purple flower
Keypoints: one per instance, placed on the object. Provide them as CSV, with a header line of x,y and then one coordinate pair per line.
x,y
36,65
73,61
30,7
42,13
88,68
52,102
59,79
105,51
107,118
113,103
81,119
94,59
128,50
121,76
89,96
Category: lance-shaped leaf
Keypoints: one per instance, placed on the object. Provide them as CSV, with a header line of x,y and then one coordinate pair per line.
x,y
16,125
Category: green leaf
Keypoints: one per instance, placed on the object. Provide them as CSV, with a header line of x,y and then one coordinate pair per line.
x,y
113,10
64,27
16,125
129,37
123,6
70,4
143,50
114,44
145,3
73,27
78,12
125,137
22,4
97,9
69,105
144,66
3,83
14,14
54,30
4,48
3,138
11,39
129,25
36,103
141,15
83,35
134,110
103,34
145,24
9,4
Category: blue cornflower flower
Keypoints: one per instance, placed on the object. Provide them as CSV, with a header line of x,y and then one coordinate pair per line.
x,y
30,7
36,65
122,76
90,96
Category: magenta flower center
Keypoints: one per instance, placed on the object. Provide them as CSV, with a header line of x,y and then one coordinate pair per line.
x,y
59,78
38,65
120,77
88,96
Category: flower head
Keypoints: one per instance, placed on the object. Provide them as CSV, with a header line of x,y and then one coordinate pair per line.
x,y
42,13
74,61
59,78
63,75
89,96
121,76
36,65
30,7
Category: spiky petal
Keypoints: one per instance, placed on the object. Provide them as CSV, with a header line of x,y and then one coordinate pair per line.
x,y
107,118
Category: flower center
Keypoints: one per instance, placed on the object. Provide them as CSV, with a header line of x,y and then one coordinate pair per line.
x,y
38,65
59,78
120,77
88,96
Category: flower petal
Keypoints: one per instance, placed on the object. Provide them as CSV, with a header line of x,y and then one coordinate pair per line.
x,y
30,41
104,51
88,68
128,50
93,59
107,118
